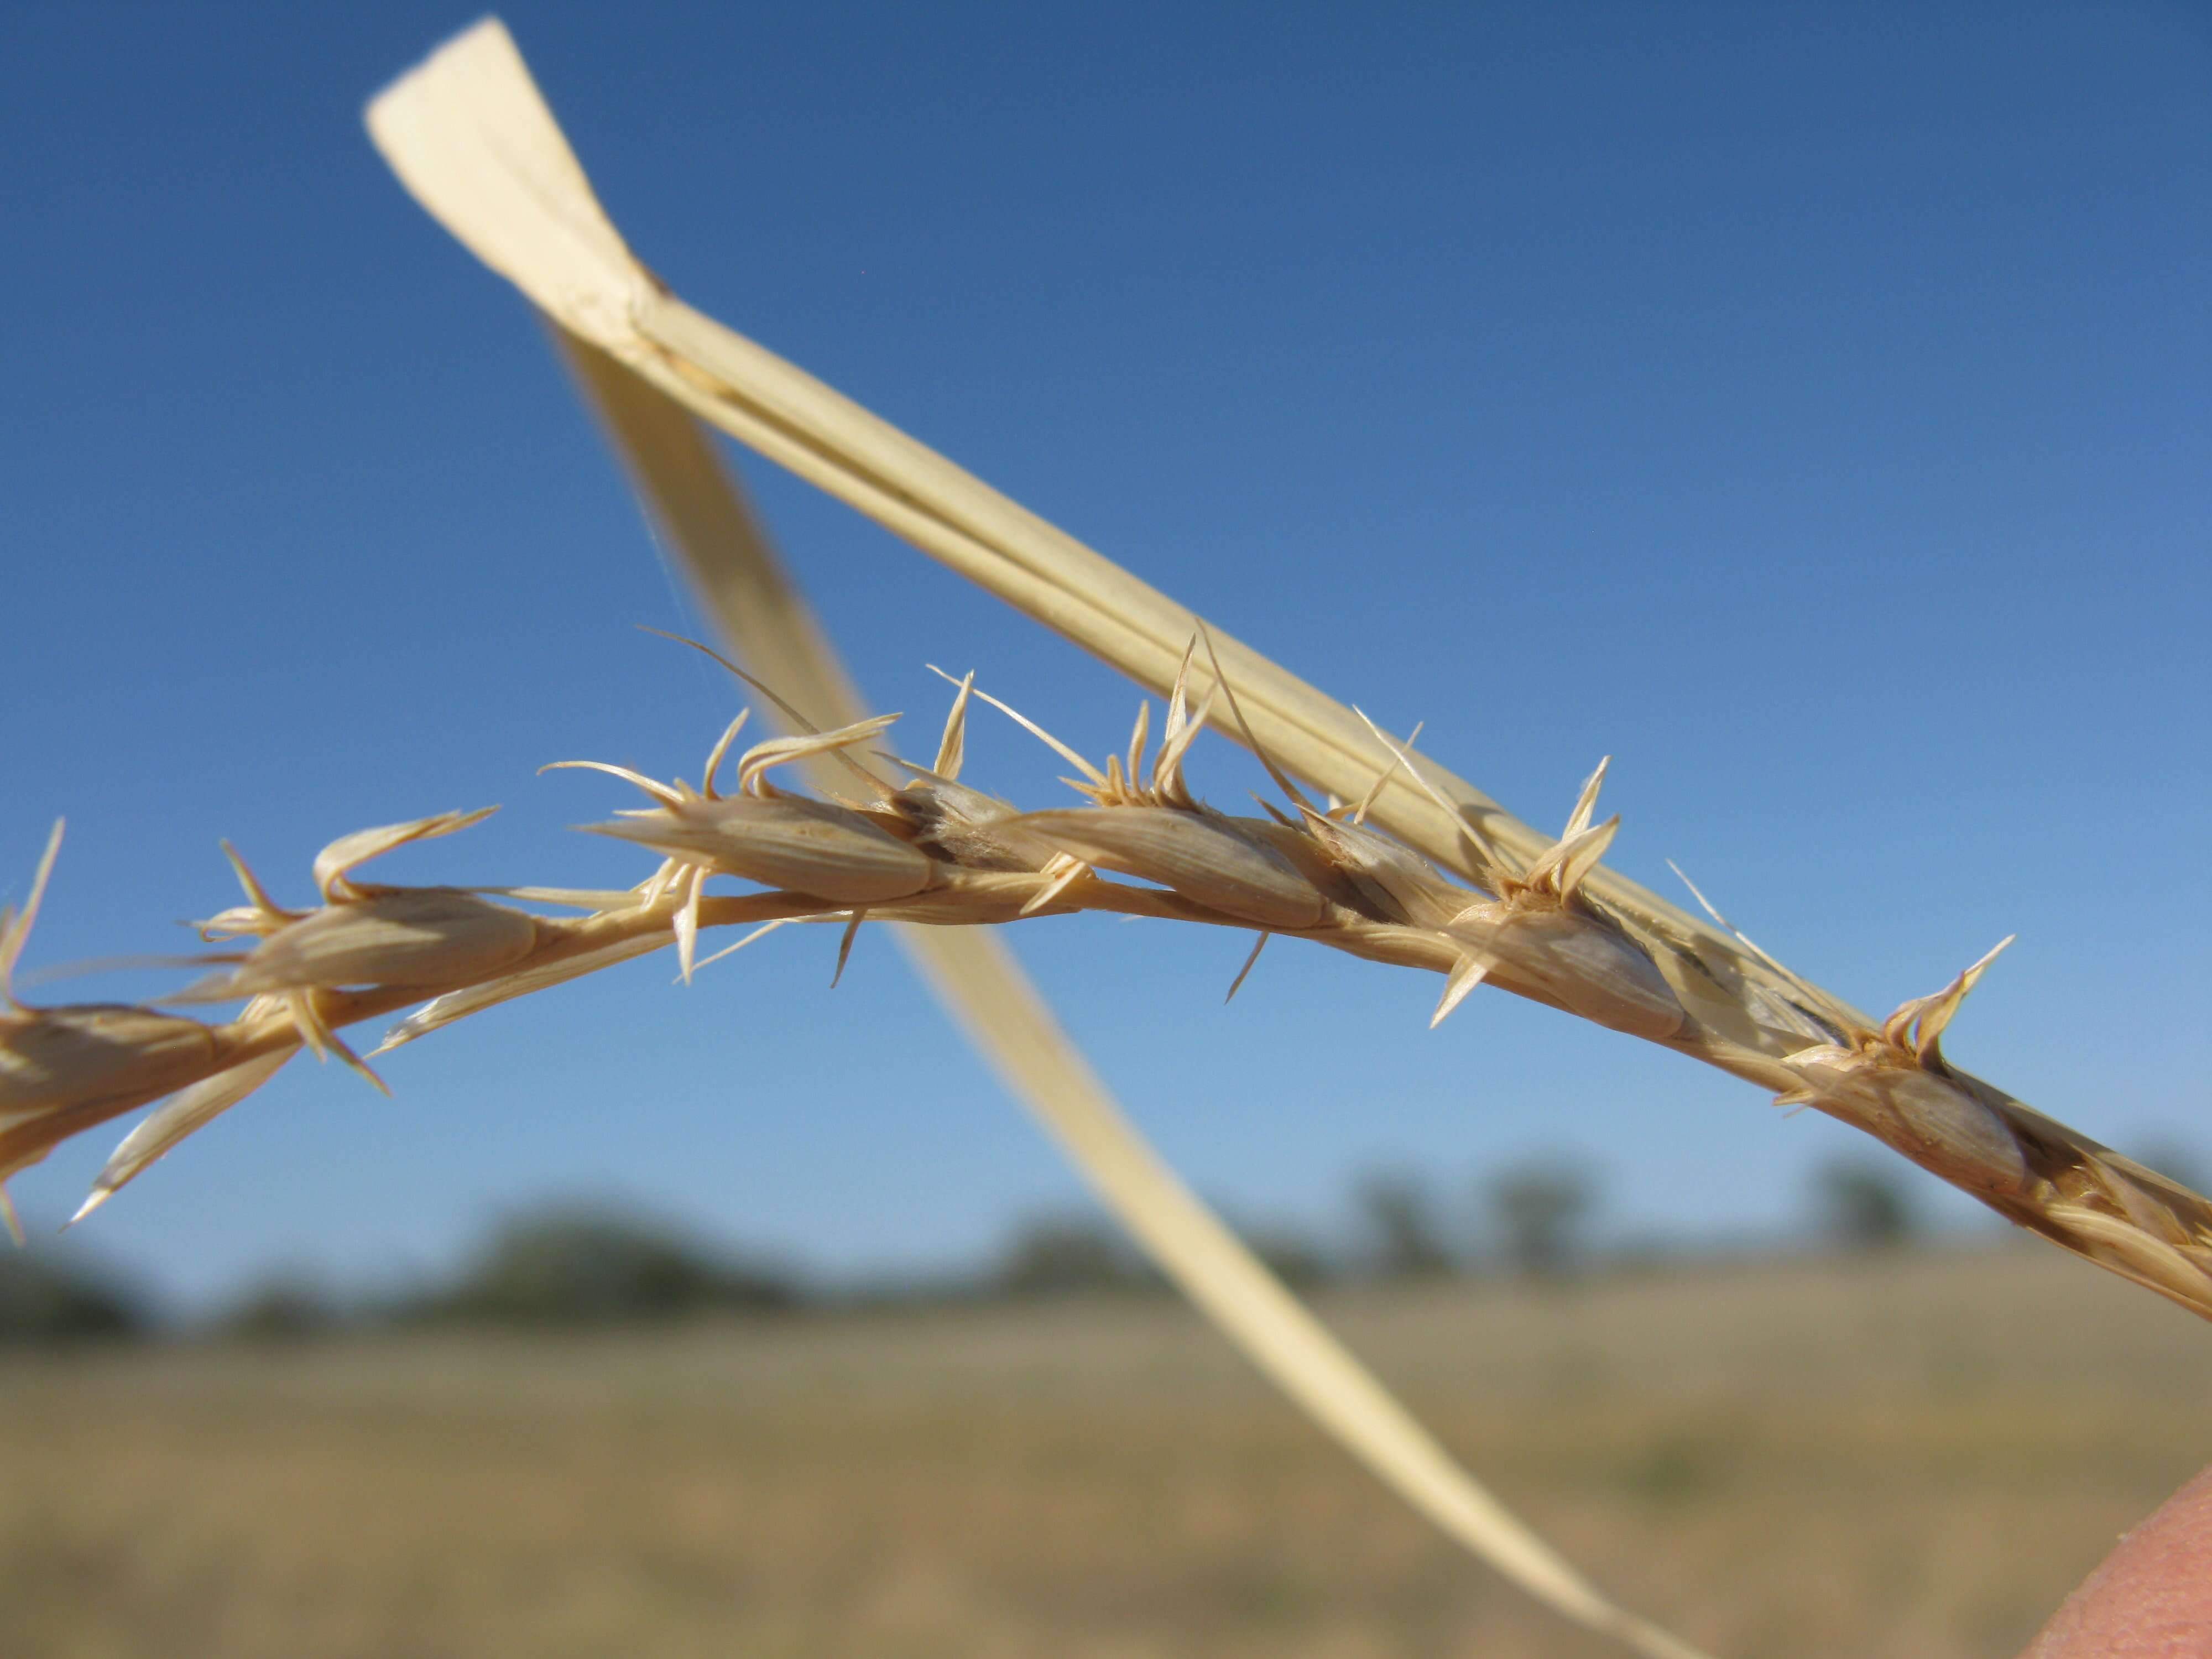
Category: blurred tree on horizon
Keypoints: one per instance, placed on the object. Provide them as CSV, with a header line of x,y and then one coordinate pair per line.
x,y
45,1300
1863,1206
570,1264
1065,1255
1541,1211
1405,1238
282,1307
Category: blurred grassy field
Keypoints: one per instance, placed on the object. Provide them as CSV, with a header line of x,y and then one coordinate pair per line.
x,y
1915,1456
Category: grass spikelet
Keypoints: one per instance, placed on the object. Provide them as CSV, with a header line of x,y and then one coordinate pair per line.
x,y
426,937
767,834
1896,1076
1201,855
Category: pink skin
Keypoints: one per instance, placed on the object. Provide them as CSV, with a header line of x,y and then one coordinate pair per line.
x,y
2152,1598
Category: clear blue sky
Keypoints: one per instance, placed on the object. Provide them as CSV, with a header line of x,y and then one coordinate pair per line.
x,y
1806,405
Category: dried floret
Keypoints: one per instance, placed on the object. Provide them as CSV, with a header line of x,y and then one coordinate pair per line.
x,y
1894,1082
824,850
1144,822
363,934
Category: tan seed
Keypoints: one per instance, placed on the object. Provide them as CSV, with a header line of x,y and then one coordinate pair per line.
x,y
788,841
1201,855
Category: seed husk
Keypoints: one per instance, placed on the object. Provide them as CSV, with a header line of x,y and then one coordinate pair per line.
x,y
1201,855
401,936
964,826
55,1058
1912,1108
811,847
1398,883
1580,961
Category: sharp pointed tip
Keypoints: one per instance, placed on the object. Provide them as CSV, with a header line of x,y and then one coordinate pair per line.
x,y
368,1072
98,1196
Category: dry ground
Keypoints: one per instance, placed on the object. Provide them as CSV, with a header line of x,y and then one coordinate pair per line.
x,y
1914,1457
